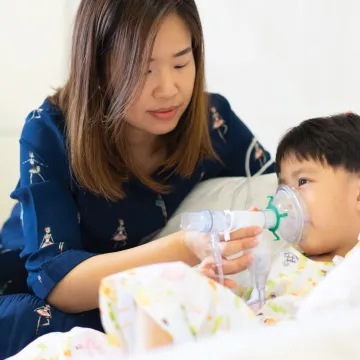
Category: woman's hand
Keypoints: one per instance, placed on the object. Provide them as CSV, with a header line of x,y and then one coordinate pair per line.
x,y
240,240
207,268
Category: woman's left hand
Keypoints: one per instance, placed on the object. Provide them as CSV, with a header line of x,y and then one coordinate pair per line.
x,y
240,240
207,268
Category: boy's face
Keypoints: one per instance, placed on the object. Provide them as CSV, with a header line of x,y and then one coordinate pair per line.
x,y
332,199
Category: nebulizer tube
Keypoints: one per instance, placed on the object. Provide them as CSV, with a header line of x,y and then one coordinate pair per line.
x,y
212,222
285,214
249,175
215,242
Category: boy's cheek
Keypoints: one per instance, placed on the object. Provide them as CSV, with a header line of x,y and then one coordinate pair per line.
x,y
309,248
310,243
304,247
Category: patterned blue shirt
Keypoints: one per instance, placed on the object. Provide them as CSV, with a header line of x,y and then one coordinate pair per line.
x,y
64,225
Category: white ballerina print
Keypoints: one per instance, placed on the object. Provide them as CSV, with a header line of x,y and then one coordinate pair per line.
x,y
260,154
120,235
47,239
35,168
219,123
44,313
161,204
36,114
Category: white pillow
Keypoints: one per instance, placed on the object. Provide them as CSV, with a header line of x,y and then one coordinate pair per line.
x,y
228,193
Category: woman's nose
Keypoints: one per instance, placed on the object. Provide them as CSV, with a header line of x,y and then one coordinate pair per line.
x,y
166,86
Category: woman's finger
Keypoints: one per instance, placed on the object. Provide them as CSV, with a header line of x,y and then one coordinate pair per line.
x,y
208,272
237,265
229,248
207,263
231,284
211,274
242,233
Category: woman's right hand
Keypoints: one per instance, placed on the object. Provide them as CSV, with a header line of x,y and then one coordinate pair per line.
x,y
240,240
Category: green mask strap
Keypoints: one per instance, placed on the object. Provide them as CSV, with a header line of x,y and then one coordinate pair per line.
x,y
278,217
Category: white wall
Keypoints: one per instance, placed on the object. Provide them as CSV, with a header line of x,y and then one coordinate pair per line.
x,y
277,61
282,61
33,61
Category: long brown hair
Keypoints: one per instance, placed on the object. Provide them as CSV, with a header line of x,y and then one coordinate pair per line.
x,y
95,99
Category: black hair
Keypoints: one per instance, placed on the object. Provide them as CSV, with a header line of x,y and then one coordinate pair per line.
x,y
333,141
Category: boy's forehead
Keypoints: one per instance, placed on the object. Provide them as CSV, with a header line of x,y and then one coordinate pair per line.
x,y
291,166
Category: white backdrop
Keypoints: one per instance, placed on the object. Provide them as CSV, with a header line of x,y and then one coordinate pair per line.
x,y
277,61
33,60
282,61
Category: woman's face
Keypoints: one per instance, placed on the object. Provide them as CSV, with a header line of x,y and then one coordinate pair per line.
x,y
169,82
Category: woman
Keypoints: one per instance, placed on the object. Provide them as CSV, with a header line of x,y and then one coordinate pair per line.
x,y
108,159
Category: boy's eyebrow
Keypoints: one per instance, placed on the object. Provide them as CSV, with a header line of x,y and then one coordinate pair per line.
x,y
180,53
296,173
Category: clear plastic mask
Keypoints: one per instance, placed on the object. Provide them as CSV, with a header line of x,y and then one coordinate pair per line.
x,y
291,212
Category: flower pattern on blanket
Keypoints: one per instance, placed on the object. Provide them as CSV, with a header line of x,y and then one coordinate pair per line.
x,y
292,276
179,299
184,303
79,343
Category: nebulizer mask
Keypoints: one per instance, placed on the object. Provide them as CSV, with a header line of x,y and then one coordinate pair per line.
x,y
285,216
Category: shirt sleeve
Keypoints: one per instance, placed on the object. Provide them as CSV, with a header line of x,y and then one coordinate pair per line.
x,y
50,220
235,143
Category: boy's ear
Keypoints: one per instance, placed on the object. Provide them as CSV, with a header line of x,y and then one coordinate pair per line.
x,y
358,194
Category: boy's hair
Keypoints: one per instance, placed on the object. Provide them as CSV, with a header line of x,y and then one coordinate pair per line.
x,y
332,141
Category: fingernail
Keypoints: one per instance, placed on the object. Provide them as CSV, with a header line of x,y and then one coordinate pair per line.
x,y
258,231
254,243
250,259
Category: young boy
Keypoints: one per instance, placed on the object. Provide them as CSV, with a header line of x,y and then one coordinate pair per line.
x,y
159,304
321,160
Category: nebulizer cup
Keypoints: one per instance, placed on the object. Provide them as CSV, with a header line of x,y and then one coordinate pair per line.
x,y
286,216
212,222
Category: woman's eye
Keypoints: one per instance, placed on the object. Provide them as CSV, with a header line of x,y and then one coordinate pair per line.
x,y
180,66
303,182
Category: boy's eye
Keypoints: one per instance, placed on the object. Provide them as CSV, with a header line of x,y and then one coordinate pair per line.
x,y
303,182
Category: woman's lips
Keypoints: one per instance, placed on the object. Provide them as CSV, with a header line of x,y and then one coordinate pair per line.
x,y
164,114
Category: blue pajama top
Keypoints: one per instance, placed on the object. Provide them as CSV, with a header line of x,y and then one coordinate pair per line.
x,y
64,225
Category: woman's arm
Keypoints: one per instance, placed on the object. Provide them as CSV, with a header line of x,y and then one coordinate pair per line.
x,y
148,334
78,290
59,268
